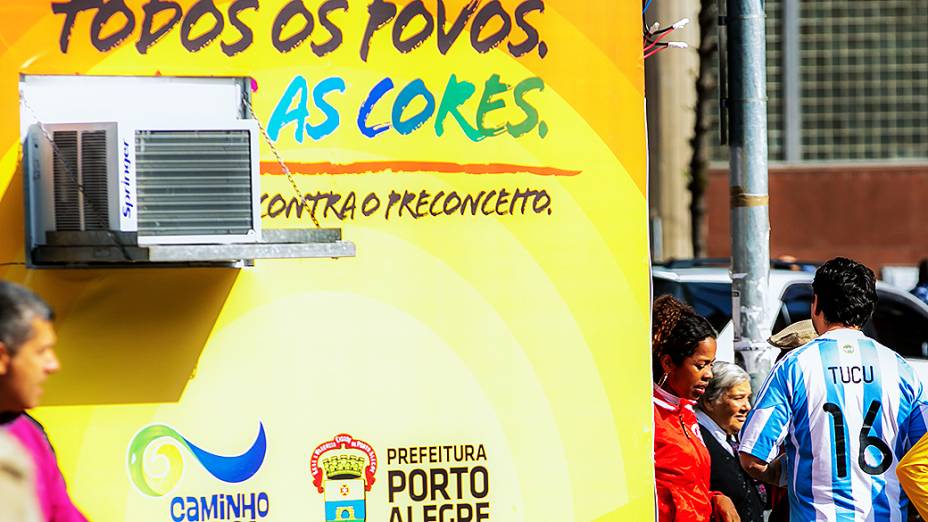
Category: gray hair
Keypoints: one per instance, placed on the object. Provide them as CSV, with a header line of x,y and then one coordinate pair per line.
x,y
18,307
724,377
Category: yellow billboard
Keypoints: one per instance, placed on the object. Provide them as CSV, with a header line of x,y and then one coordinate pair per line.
x,y
483,356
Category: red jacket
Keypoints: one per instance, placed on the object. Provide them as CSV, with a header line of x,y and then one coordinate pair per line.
x,y
681,461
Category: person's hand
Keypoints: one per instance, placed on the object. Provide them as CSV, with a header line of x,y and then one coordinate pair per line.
x,y
724,509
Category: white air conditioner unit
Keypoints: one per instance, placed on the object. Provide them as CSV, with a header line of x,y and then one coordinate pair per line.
x,y
160,185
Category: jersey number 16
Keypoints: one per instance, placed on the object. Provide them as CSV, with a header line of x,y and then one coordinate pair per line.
x,y
866,441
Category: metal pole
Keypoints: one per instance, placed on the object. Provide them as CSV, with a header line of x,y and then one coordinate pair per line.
x,y
750,226
792,109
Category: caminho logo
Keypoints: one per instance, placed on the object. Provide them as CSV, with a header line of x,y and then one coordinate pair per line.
x,y
157,473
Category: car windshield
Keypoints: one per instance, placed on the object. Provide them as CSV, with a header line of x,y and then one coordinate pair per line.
x,y
711,300
796,305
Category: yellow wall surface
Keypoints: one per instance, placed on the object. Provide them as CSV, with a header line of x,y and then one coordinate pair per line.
x,y
513,340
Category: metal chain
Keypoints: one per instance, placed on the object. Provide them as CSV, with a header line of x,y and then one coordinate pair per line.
x,y
59,156
280,160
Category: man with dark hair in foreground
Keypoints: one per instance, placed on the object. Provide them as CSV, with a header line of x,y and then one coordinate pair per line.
x,y
845,407
27,358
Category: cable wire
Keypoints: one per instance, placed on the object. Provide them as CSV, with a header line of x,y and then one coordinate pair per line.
x,y
280,160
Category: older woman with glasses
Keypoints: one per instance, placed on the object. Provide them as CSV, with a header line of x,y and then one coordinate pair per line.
x,y
721,412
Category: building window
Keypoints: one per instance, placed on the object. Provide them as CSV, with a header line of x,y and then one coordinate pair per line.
x,y
862,81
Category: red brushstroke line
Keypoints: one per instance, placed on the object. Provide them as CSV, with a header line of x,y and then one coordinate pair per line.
x,y
367,167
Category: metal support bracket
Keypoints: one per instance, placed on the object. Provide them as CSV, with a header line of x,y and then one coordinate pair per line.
x,y
96,248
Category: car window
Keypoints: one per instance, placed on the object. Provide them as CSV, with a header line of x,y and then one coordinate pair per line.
x,y
900,325
710,300
795,305
897,322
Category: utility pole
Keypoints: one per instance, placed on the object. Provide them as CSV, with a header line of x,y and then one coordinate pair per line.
x,y
670,127
750,225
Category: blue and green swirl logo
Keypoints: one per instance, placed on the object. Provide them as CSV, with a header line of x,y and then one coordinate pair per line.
x,y
156,472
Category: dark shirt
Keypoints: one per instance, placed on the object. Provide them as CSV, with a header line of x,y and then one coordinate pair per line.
x,y
728,478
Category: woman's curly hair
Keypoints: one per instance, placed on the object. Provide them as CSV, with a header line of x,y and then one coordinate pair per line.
x,y
667,313
677,330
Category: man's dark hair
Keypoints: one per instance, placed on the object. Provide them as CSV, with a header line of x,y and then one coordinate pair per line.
x,y
18,307
846,291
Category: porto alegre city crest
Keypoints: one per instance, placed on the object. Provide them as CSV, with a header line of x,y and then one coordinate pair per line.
x,y
343,470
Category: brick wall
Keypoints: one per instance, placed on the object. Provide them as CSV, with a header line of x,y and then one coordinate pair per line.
x,y
876,214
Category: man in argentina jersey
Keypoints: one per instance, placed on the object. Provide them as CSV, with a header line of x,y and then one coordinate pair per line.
x,y
843,408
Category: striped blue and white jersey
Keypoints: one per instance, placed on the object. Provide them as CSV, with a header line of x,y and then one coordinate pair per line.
x,y
845,409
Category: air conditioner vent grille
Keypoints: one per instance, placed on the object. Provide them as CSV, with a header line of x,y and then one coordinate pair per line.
x,y
67,198
194,182
79,171
94,180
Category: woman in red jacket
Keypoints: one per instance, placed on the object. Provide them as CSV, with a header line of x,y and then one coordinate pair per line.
x,y
683,349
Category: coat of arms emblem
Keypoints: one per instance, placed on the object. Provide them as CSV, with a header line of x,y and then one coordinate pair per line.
x,y
343,470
